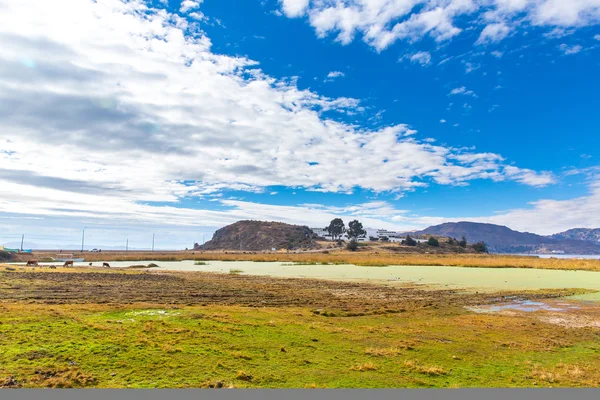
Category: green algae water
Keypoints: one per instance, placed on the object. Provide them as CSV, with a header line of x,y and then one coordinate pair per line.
x,y
478,279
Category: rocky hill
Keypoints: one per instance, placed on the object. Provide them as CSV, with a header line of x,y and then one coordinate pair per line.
x,y
501,239
260,235
589,235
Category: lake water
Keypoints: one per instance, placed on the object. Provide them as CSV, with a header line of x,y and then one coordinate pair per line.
x,y
567,256
476,279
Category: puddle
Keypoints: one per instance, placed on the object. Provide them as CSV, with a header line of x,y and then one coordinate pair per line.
x,y
151,313
561,313
525,306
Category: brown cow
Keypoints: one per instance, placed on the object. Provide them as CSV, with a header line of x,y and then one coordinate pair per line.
x,y
106,265
32,262
68,263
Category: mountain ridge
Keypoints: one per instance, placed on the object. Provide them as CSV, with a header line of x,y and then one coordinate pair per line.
x,y
586,234
501,239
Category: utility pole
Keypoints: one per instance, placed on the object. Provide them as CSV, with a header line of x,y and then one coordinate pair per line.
x,y
22,238
83,238
127,246
153,242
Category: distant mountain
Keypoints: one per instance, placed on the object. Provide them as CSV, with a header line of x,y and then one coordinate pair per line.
x,y
589,235
501,239
260,235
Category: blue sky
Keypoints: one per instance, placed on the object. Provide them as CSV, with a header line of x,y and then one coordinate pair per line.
x,y
176,118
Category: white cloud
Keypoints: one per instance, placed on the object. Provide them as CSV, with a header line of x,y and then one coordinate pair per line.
x,y
567,50
422,57
442,121
187,5
462,91
597,37
493,33
381,23
334,74
119,112
294,8
497,54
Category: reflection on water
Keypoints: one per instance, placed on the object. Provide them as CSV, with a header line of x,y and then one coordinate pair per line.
x,y
524,305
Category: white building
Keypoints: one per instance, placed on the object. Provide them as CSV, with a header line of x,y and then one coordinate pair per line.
x,y
393,236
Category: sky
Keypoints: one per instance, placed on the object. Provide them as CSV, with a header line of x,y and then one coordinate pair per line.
x,y
131,118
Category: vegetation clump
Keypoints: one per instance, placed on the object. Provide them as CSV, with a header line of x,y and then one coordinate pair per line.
x,y
408,241
480,247
352,245
433,242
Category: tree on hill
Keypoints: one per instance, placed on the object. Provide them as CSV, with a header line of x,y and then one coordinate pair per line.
x,y
463,242
408,241
336,228
480,247
355,230
433,242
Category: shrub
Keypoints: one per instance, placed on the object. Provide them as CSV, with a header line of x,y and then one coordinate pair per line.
x,y
352,245
480,247
433,242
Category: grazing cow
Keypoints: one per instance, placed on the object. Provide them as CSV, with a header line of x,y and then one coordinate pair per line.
x,y
90,264
68,263
32,262
106,265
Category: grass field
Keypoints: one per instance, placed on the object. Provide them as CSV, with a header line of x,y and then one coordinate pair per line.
x,y
86,328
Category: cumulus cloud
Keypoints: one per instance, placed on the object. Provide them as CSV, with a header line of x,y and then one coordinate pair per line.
x,y
187,5
597,37
294,8
381,23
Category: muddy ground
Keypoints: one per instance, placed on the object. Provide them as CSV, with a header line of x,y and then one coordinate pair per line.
x,y
191,288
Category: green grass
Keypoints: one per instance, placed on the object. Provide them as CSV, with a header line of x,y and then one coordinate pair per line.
x,y
158,346
200,263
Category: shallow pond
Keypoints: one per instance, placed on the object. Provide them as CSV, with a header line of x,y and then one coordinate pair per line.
x,y
483,279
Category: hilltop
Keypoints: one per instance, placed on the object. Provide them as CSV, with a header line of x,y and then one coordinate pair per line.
x,y
501,239
261,235
586,234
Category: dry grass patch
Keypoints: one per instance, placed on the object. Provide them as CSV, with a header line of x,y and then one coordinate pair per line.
x,y
384,352
364,367
431,370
